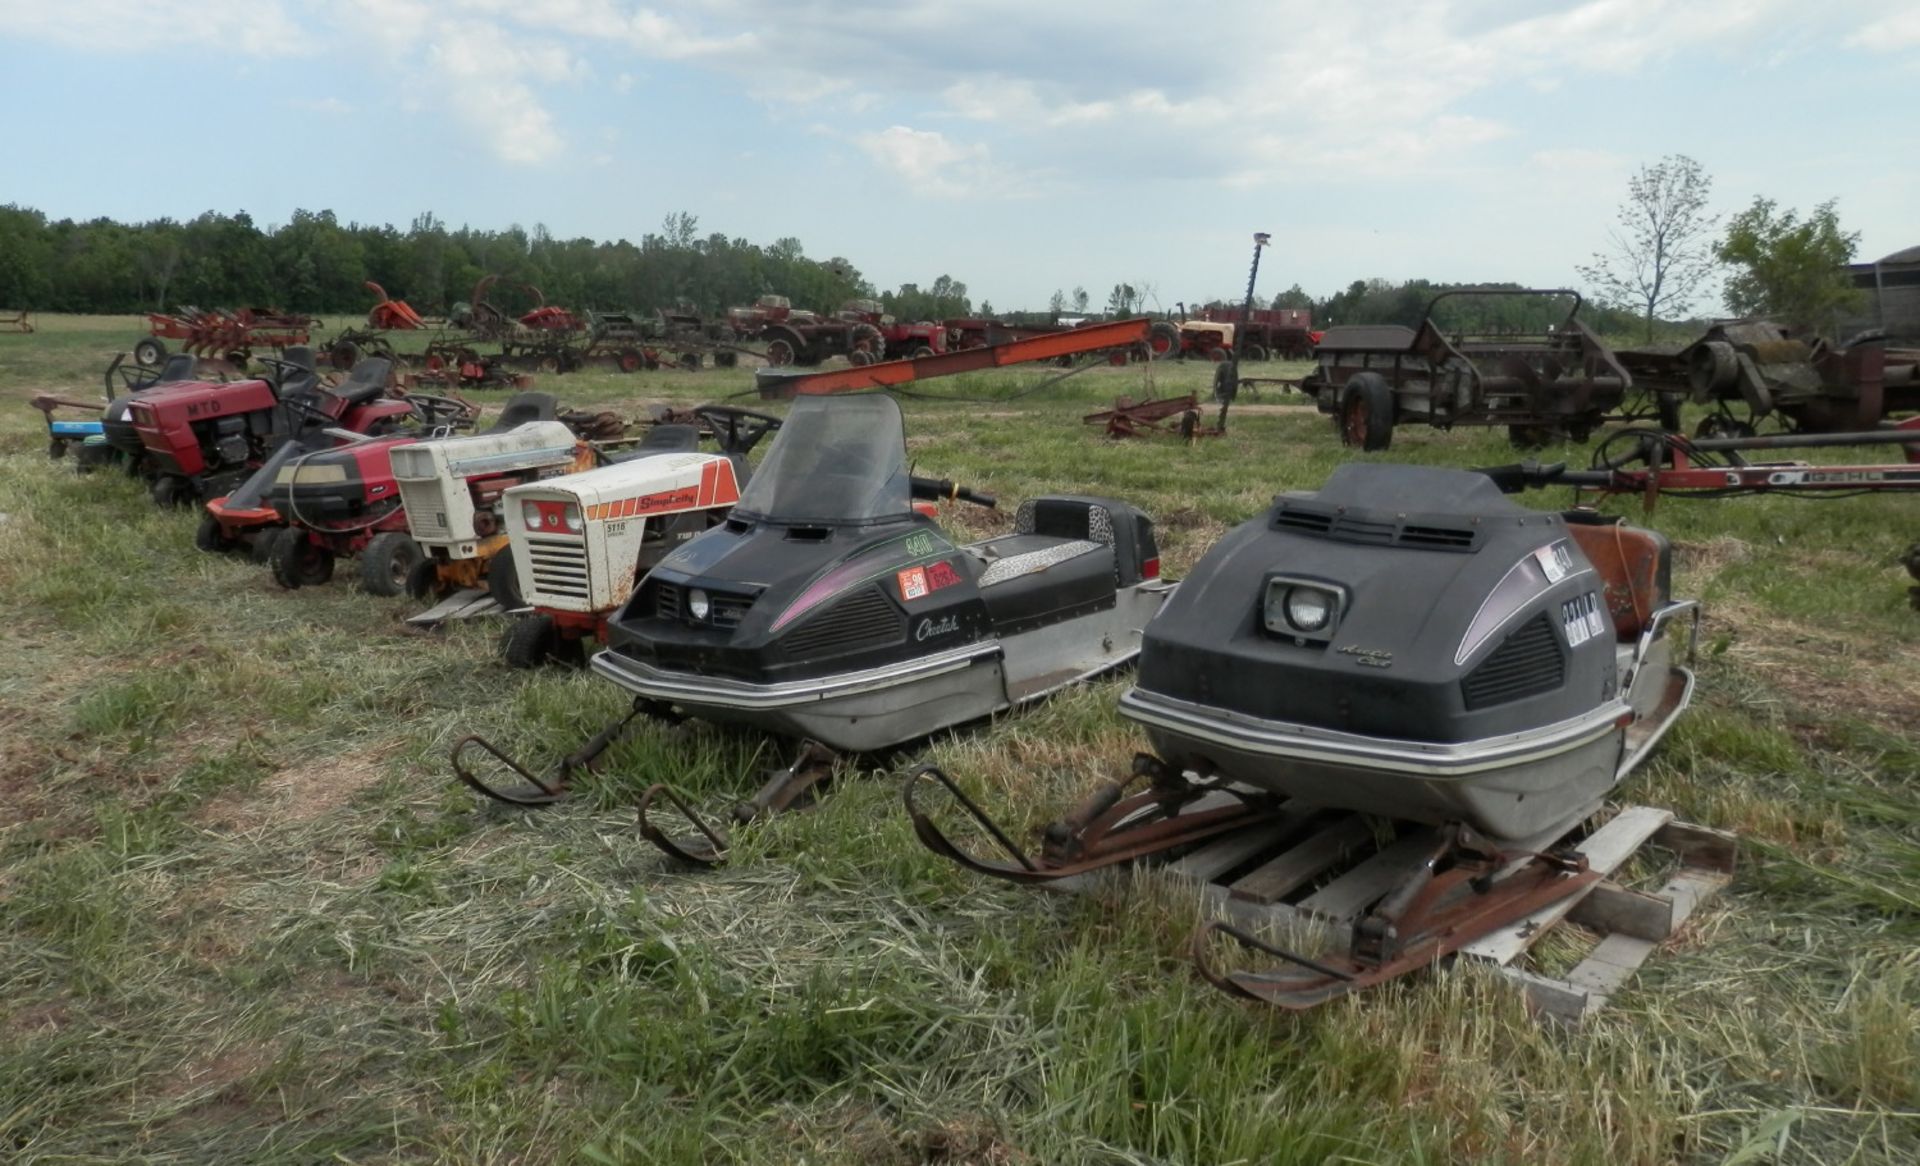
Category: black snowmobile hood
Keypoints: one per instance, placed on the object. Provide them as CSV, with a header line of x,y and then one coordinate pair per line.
x,y
1433,571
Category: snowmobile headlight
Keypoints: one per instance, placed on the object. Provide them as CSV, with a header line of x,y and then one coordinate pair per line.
x,y
1301,610
575,522
530,514
1309,608
698,605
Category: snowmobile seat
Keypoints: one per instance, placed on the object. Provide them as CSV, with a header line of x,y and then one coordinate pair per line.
x,y
522,408
1635,567
367,381
1106,521
1030,580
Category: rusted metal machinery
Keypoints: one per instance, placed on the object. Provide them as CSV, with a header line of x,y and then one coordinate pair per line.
x,y
223,334
1372,377
20,321
1119,335
1653,463
1166,415
1748,371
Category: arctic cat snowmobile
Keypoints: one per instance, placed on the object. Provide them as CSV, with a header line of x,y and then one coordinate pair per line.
x,y
829,608
1409,644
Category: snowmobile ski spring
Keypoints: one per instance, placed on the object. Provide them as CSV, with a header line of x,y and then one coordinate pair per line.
x,y
706,847
539,792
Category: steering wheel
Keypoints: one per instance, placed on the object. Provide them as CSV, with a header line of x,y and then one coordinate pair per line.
x,y
436,410
738,430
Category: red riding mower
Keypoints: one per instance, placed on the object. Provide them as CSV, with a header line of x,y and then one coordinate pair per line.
x,y
201,438
246,517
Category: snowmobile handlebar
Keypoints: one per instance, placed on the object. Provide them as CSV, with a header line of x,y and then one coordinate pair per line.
x,y
945,489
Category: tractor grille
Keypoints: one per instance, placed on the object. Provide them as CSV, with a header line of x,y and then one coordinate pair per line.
x,y
426,510
1353,528
1528,662
725,611
559,567
865,620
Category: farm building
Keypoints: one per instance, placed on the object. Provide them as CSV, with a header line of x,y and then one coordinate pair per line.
x,y
1891,295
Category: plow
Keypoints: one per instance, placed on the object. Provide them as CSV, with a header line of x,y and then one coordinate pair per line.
x,y
223,334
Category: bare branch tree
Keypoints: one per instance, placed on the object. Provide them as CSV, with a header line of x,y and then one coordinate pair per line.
x,y
1662,250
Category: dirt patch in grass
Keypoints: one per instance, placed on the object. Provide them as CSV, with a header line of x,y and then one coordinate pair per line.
x,y
300,793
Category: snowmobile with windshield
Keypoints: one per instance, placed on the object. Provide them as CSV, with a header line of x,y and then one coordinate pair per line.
x,y
831,609
1408,644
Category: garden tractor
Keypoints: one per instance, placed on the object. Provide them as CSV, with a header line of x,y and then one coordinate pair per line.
x,y
579,544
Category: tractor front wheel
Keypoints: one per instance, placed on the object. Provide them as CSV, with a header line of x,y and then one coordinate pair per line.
x,y
530,642
424,579
1254,352
503,581
261,552
1366,412
388,559
779,353
169,491
297,562
209,537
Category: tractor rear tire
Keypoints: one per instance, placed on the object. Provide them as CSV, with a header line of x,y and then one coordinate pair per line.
x,y
1163,339
387,561
149,353
298,563
503,581
690,361
530,642
1254,352
209,537
1366,412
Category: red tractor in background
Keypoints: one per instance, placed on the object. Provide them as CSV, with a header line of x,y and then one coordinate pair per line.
x,y
797,337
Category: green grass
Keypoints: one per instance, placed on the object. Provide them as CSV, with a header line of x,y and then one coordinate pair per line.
x,y
250,916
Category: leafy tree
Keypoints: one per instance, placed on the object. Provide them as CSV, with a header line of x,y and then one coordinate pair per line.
x,y
1058,304
1122,300
1293,297
1786,267
1081,300
1662,251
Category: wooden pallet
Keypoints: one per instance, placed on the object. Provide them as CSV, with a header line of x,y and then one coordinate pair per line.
x,y
1328,867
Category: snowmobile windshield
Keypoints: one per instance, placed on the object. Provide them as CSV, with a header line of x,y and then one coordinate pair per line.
x,y
836,461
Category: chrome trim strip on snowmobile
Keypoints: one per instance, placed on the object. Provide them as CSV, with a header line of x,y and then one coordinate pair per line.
x,y
687,688
1328,746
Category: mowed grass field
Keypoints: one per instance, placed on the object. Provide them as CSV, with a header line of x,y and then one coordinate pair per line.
x,y
249,916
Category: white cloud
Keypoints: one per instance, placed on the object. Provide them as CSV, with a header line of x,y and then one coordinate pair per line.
x,y
1896,30
248,27
332,105
932,163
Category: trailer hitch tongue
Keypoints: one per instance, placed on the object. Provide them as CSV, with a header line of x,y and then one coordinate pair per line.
x,y
541,791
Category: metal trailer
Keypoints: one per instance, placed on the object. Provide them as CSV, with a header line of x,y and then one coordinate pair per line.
x,y
1540,385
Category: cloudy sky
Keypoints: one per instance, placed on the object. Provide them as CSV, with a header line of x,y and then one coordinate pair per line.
x,y
1019,147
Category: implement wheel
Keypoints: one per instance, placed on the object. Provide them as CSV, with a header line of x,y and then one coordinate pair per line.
x,y
209,537
1366,412
149,352
388,559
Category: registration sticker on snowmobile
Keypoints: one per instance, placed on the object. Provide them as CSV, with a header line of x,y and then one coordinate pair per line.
x,y
1580,618
913,583
1555,562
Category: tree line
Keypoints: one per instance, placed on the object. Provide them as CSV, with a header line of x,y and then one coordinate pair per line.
x,y
314,263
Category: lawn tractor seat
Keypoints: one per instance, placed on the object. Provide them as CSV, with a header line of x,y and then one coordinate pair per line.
x,y
367,380
1635,567
181,366
522,408
664,439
